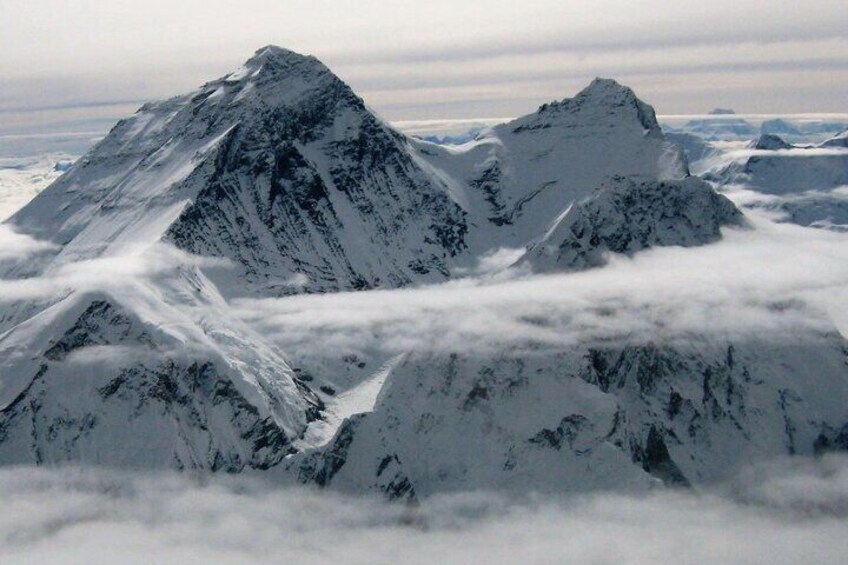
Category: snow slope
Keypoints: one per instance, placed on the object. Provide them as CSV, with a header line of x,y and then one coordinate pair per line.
x,y
514,179
602,416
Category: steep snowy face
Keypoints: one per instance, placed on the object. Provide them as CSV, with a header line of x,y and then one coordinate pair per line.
x,y
147,377
278,167
589,417
695,148
516,176
626,216
318,194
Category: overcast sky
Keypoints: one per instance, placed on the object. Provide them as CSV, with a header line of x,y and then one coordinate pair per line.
x,y
434,58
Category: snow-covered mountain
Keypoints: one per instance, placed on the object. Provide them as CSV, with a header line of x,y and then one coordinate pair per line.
x,y
147,374
773,166
599,416
801,131
278,167
839,140
626,216
276,179
516,178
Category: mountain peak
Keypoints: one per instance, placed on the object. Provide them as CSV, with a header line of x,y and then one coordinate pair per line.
x,y
603,100
608,93
276,62
771,142
279,54
606,85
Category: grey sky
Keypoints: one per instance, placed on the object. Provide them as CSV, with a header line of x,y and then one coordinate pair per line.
x,y
434,59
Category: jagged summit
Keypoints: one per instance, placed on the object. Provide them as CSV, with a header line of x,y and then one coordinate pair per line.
x,y
603,100
516,177
278,167
605,89
273,52
279,63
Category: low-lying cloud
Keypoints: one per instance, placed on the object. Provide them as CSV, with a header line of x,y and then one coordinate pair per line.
x,y
781,279
776,280
14,245
131,267
794,512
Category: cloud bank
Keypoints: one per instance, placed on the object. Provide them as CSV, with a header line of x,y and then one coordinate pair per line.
x,y
777,279
777,513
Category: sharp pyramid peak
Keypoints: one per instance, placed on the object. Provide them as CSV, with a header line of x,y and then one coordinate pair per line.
x,y
277,53
602,97
278,61
603,87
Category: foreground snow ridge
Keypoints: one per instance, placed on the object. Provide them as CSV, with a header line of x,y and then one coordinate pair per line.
x,y
156,301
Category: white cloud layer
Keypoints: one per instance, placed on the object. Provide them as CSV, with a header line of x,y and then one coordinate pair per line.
x,y
14,245
777,278
785,512
774,278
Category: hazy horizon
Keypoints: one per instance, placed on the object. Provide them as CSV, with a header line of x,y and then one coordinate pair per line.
x,y
439,61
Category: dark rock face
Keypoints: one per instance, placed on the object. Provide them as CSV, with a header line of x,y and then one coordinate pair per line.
x,y
656,460
626,216
605,416
321,471
313,187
